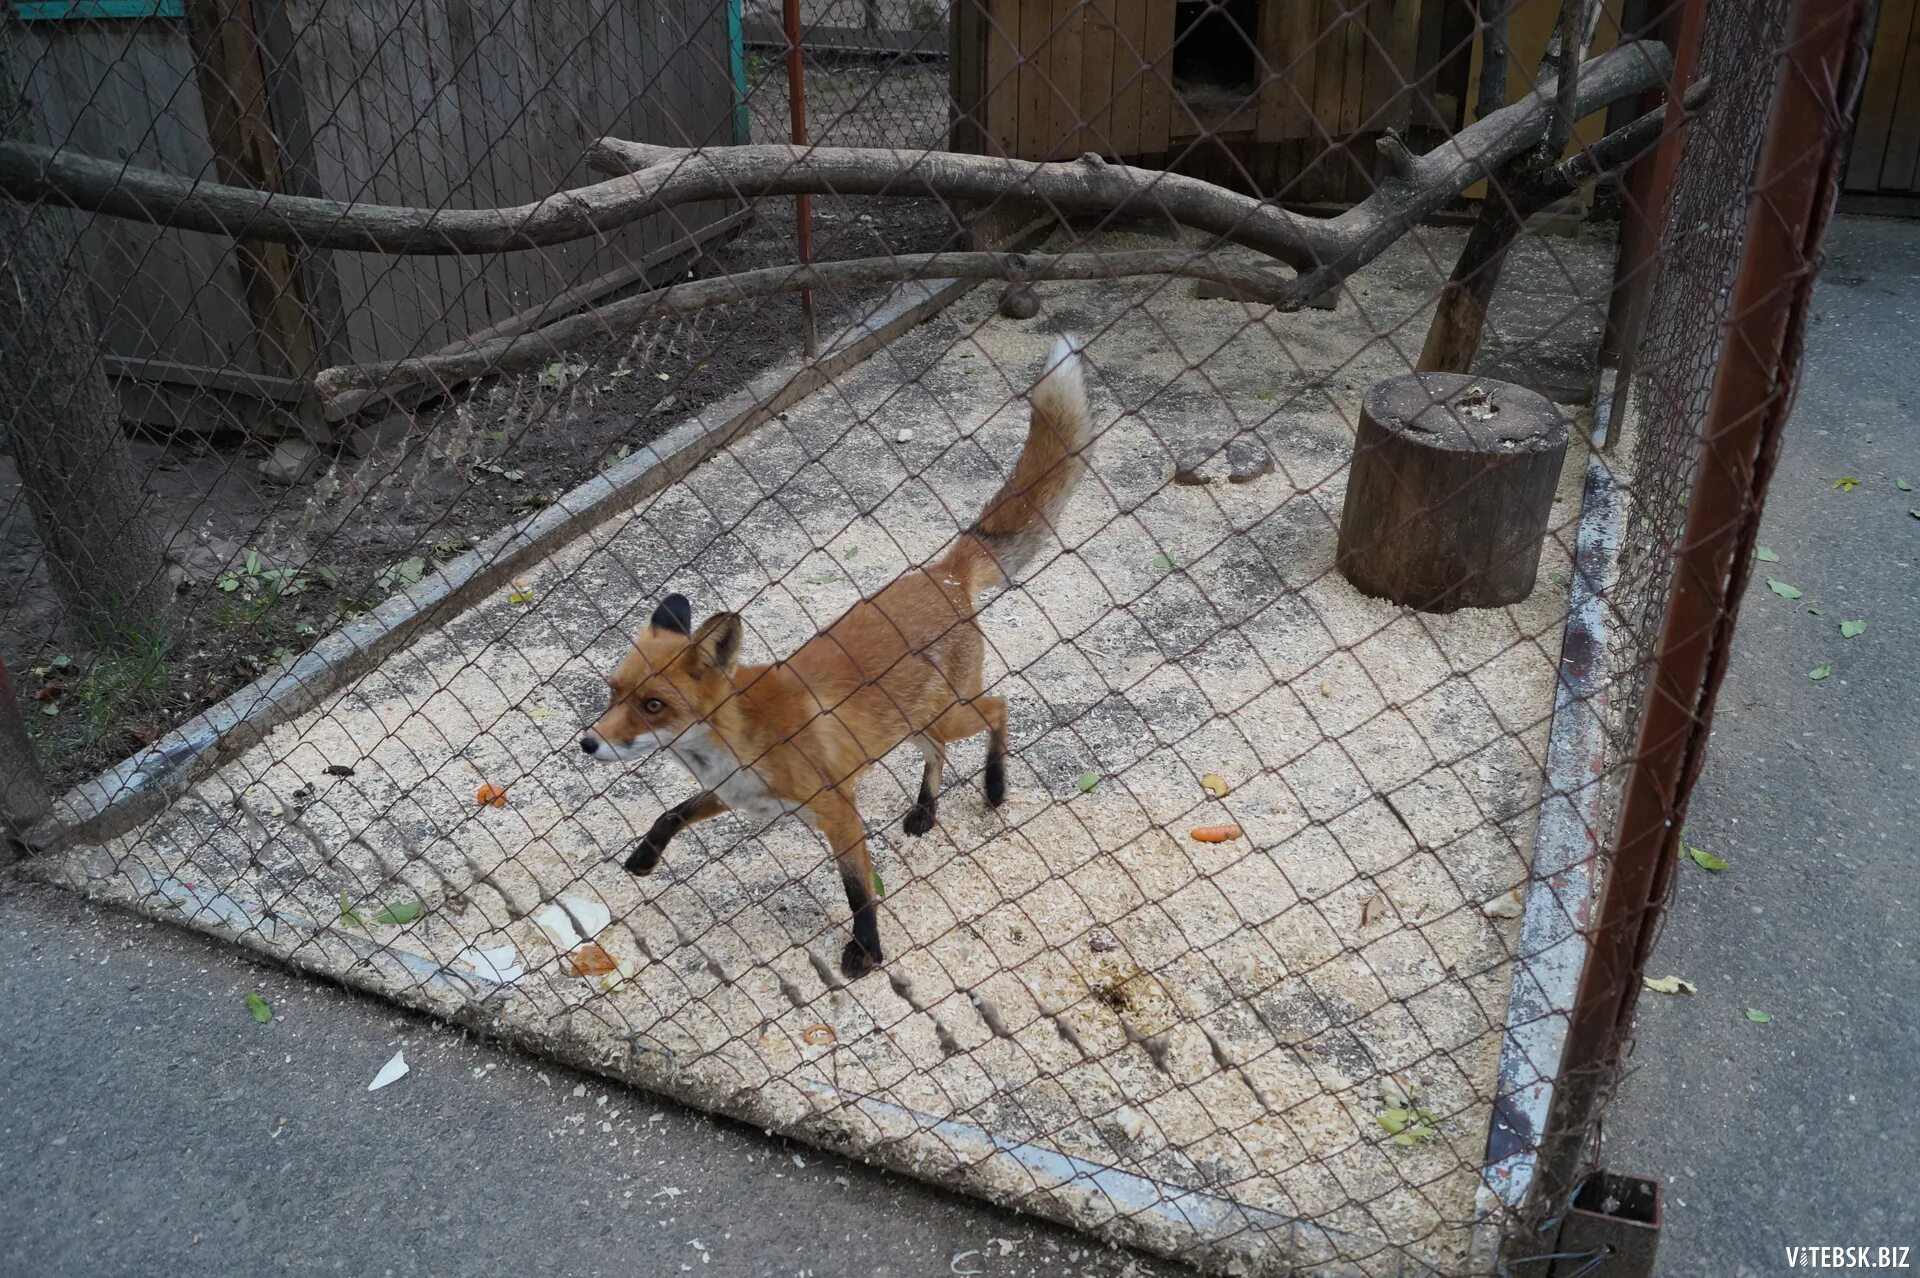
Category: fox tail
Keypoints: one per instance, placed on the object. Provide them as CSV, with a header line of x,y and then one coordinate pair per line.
x,y
1020,518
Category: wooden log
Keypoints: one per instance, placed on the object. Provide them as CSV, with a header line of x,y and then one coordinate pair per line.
x,y
1450,491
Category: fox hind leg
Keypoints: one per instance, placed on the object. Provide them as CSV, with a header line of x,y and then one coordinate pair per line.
x,y
933,753
980,714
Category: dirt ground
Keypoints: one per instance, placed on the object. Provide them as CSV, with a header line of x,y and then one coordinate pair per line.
x,y
1072,973
263,569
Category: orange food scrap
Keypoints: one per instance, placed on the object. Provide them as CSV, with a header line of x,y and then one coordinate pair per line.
x,y
588,960
1216,834
491,796
818,1034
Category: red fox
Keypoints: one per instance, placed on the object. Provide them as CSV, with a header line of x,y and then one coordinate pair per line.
x,y
794,736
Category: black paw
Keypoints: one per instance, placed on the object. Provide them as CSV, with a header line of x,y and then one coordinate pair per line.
x,y
919,818
857,960
996,783
645,857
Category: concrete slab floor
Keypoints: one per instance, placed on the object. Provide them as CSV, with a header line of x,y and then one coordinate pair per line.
x,y
1803,1131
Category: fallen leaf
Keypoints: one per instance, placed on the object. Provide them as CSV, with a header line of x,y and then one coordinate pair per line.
x,y
1914,512
1706,860
825,578
491,796
520,597
339,770
1408,1126
398,913
589,960
1821,671
1669,985
1765,556
818,1035
51,692
1782,589
391,1072
665,404
1087,780
1215,833
1846,483
348,914
1370,909
1214,784
879,884
1816,610
1903,485
1508,905
261,1009
1163,563
1850,629
51,708
1758,1017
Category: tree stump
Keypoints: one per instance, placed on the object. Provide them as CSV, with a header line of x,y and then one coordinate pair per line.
x,y
1450,491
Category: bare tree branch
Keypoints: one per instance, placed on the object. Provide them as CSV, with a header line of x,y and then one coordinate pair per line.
x,y
350,385
1493,59
659,179
1453,339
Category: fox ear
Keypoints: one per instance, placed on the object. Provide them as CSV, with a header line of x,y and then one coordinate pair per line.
x,y
674,614
717,642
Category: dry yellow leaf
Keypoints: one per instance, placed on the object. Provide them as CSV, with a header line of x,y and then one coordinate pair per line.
x,y
1214,784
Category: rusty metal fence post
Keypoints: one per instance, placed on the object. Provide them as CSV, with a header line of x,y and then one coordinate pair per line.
x,y
1819,73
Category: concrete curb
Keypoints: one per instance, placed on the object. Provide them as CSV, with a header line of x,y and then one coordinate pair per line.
x,y
1563,888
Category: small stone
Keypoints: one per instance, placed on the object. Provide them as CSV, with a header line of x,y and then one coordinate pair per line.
x,y
1191,457
1131,1122
1019,302
384,435
294,461
905,436
1247,460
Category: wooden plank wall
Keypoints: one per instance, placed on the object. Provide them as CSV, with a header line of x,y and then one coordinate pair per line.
x,y
492,102
439,103
126,90
1885,156
1063,77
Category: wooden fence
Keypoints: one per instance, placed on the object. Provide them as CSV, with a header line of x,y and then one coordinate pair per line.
x,y
444,103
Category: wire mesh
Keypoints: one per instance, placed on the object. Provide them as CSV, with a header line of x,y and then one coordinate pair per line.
x,y
1243,947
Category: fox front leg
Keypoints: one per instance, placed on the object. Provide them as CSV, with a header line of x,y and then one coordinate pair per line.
x,y
646,853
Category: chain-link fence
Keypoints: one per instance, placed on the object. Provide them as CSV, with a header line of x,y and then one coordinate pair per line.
x,y
1141,740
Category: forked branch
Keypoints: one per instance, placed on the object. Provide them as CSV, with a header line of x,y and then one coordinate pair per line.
x,y
650,179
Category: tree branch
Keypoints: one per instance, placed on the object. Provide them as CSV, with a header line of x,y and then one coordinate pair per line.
x,y
659,179
350,385
1453,338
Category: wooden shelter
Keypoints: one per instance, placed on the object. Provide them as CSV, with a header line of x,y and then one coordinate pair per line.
x,y
443,103
1284,96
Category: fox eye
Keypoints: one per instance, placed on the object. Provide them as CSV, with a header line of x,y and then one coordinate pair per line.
x,y
653,705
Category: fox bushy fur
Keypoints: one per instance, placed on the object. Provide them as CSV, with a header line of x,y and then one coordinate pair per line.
x,y
903,664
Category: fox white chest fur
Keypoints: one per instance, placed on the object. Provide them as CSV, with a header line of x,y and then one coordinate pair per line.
x,y
716,769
